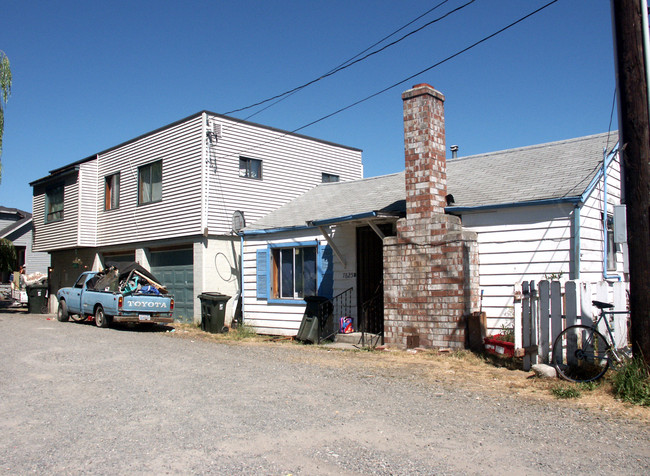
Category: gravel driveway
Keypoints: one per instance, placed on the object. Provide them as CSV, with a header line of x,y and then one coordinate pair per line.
x,y
78,399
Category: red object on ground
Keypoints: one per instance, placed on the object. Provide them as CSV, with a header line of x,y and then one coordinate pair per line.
x,y
494,345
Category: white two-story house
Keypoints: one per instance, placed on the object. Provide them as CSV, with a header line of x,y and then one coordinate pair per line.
x,y
174,199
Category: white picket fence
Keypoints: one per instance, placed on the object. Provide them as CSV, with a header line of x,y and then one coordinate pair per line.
x,y
544,309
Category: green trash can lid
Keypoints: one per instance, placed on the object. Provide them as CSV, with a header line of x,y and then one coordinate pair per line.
x,y
213,296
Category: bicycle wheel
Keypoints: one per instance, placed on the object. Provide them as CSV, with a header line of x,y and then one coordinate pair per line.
x,y
580,354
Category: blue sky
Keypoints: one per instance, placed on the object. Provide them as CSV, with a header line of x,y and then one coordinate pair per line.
x,y
89,75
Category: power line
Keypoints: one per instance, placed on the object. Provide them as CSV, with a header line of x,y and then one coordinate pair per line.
x,y
351,63
448,58
394,85
353,57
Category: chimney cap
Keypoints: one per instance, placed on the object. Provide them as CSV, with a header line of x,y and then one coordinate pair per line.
x,y
420,90
453,148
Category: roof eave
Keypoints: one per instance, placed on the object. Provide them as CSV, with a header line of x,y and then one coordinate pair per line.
x,y
531,203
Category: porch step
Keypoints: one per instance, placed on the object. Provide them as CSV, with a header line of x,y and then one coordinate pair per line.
x,y
355,338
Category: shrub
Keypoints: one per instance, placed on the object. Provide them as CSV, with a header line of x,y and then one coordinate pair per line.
x,y
632,382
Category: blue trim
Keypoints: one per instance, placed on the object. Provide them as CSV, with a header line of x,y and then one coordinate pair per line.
x,y
599,175
331,221
297,244
274,230
532,203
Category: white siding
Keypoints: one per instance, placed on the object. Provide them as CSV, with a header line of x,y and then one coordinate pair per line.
x,y
518,244
285,319
591,226
291,165
59,234
179,212
88,197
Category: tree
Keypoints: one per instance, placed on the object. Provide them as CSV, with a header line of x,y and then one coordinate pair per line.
x,y
7,255
5,92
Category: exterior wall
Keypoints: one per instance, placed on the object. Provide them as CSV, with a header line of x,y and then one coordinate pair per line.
x,y
285,319
179,212
518,244
217,269
88,198
37,262
60,234
591,227
291,165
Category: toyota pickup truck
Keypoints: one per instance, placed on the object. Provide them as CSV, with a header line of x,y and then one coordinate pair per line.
x,y
113,296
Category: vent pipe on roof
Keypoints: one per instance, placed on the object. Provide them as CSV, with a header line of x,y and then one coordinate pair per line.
x,y
454,151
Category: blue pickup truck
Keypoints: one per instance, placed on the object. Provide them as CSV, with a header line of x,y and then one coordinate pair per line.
x,y
114,296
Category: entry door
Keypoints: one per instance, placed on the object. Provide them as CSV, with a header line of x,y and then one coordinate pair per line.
x,y
370,285
175,270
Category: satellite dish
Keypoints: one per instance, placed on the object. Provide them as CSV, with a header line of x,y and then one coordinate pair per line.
x,y
238,221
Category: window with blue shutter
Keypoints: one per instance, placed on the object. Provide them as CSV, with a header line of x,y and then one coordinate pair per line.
x,y
262,274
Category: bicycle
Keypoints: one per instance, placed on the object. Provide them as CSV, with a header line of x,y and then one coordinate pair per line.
x,y
582,354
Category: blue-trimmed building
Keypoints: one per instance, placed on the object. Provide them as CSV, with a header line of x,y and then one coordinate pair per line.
x,y
544,211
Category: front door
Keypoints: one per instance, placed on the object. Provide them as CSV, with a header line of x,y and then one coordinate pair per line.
x,y
370,285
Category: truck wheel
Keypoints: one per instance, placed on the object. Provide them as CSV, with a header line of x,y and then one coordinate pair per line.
x,y
101,319
62,312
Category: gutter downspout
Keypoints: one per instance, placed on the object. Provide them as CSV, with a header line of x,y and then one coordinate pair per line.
x,y
241,272
576,241
605,274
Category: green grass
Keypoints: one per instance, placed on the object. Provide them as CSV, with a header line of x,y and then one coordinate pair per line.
x,y
566,391
632,382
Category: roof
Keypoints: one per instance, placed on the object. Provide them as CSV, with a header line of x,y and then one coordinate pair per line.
x,y
22,218
554,170
559,170
339,200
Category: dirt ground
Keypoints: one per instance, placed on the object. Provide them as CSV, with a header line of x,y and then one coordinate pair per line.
x,y
479,373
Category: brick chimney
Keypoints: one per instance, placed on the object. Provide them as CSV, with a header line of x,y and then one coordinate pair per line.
x,y
424,151
431,265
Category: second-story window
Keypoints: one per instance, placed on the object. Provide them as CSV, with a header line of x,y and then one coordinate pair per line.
x,y
112,192
150,183
54,204
250,168
330,178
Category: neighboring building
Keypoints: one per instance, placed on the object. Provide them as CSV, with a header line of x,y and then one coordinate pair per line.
x,y
16,226
509,216
172,200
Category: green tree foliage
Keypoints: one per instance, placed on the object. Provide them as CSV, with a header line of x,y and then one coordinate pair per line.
x,y
5,92
7,255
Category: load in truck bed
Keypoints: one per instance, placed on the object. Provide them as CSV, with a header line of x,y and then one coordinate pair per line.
x,y
131,279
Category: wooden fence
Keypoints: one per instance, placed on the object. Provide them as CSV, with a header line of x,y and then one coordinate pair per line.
x,y
544,309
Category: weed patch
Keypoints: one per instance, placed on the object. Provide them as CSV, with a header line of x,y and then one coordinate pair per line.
x,y
632,382
566,392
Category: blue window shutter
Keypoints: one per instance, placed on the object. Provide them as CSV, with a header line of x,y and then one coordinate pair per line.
x,y
262,274
325,271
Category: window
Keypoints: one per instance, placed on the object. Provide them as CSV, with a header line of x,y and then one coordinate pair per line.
x,y
112,192
250,168
611,245
330,178
294,272
150,183
54,204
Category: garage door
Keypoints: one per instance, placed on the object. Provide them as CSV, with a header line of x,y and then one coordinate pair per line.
x,y
175,270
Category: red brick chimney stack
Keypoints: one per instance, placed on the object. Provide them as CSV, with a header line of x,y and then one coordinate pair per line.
x,y
424,151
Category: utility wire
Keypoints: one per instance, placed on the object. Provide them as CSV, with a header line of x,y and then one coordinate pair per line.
x,y
351,63
473,45
352,58
448,58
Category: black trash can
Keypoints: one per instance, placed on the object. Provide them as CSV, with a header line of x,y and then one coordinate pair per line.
x,y
213,312
317,313
37,298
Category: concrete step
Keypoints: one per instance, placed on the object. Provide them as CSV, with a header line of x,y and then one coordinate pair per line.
x,y
355,338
